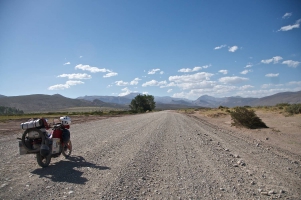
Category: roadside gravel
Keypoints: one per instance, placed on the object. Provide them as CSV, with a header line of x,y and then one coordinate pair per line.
x,y
162,155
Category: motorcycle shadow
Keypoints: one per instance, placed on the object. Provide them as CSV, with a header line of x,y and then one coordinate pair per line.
x,y
69,170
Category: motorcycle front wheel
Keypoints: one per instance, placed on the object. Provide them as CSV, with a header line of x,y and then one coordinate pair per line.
x,y
43,161
67,149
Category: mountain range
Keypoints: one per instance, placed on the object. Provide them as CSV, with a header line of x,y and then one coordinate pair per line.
x,y
57,102
208,101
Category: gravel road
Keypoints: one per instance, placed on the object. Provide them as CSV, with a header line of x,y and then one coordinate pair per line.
x,y
162,155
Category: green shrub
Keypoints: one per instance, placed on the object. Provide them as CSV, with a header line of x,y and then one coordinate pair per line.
x,y
293,109
242,116
282,105
223,107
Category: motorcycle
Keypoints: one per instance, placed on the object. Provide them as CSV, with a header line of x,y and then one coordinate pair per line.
x,y
46,145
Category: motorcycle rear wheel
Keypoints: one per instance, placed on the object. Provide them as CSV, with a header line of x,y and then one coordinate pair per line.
x,y
43,161
67,149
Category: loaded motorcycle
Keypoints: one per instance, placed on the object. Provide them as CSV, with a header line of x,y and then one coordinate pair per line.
x,y
46,145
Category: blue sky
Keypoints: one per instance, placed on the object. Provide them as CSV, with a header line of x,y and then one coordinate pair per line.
x,y
164,48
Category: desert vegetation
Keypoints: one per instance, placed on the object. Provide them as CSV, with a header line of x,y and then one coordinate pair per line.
x,y
10,111
55,115
245,116
242,116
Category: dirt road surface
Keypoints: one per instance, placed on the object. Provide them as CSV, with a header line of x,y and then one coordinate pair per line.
x,y
162,155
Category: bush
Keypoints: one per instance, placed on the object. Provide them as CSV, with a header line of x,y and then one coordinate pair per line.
x,y
241,116
223,107
293,109
282,104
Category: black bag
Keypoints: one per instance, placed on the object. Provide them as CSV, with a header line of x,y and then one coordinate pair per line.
x,y
66,135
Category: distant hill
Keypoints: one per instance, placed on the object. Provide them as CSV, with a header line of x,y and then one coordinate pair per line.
x,y
283,97
126,100
47,103
1,96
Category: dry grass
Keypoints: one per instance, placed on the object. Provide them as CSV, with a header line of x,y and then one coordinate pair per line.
x,y
214,112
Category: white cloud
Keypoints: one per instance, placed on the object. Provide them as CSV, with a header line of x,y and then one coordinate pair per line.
x,y
191,78
295,83
224,89
291,63
268,61
286,15
290,27
76,76
197,85
181,95
233,49
154,83
67,63
232,80
217,90
135,81
123,83
265,86
261,93
110,74
223,71
272,75
246,87
171,84
67,85
219,47
195,69
185,70
80,56
161,72
169,91
244,91
91,69
153,71
144,92
245,71
126,91
248,66
275,59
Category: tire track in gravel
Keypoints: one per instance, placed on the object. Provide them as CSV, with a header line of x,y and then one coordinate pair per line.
x,y
132,178
266,169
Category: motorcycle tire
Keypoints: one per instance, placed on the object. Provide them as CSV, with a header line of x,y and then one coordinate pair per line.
x,y
67,149
43,161
25,143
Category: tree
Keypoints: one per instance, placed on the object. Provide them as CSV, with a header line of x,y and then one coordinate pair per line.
x,y
10,111
142,103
